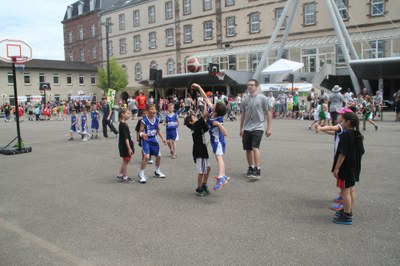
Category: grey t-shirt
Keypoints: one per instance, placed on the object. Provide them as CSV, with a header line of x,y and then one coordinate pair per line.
x,y
336,100
253,109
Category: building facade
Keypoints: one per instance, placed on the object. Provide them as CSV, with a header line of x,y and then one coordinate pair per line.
x,y
65,79
82,31
234,33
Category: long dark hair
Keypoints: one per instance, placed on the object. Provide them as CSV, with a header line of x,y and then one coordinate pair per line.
x,y
355,122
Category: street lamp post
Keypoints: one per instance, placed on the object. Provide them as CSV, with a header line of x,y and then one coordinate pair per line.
x,y
108,24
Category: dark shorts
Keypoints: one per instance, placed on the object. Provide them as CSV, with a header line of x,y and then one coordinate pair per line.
x,y
127,158
134,111
334,116
252,139
342,184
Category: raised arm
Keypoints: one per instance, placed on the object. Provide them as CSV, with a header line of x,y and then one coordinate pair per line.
x,y
202,93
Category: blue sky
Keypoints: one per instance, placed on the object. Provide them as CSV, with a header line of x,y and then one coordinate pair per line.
x,y
36,22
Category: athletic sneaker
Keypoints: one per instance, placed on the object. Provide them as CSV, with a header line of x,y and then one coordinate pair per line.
x,y
250,172
343,219
159,174
205,190
256,174
120,175
127,179
337,206
221,182
199,192
338,198
142,178
341,212
150,161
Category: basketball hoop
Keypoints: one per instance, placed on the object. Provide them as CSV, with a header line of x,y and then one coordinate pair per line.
x,y
220,75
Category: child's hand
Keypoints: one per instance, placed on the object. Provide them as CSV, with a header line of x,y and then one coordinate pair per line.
x,y
336,173
195,86
144,136
164,141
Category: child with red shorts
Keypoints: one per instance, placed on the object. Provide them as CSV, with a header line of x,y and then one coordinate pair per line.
x,y
125,144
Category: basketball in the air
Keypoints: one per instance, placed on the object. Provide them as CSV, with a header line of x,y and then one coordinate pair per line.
x,y
193,65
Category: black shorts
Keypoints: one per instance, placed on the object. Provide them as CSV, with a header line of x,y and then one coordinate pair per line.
x,y
252,139
334,116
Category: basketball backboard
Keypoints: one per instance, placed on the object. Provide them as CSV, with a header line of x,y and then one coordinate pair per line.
x,y
15,51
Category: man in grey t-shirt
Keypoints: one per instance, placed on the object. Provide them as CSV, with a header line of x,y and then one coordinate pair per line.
x,y
255,109
336,102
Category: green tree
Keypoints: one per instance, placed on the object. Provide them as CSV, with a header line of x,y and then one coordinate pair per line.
x,y
118,77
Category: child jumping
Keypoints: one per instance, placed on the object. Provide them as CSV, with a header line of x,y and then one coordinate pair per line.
x,y
215,114
149,129
347,165
125,144
200,154
172,124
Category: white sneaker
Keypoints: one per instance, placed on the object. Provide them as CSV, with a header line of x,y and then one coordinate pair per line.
x,y
150,161
142,178
159,174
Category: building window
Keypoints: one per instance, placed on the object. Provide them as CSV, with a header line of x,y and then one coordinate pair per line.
x,y
93,30
136,18
254,22
169,37
278,14
153,65
82,54
70,37
339,55
152,14
377,7
229,2
110,47
10,78
168,10
122,46
121,21
94,52
207,5
109,23
230,26
170,67
69,79
80,33
71,56
80,8
27,78
93,80
254,61
187,33
91,5
56,80
81,80
187,7
136,43
138,71
377,49
309,14
208,30
342,6
152,40
69,11
41,77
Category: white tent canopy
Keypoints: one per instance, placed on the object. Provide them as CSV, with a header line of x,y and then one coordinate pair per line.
x,y
282,66
286,87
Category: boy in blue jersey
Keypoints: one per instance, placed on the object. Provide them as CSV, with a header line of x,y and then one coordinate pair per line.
x,y
217,135
172,123
74,124
84,124
94,124
149,129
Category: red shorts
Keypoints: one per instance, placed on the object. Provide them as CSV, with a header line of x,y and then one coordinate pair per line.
x,y
127,158
340,183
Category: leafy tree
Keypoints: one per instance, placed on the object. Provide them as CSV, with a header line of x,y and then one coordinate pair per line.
x,y
118,77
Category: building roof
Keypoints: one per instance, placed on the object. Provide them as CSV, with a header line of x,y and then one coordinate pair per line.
x,y
99,5
54,65
385,68
123,3
302,43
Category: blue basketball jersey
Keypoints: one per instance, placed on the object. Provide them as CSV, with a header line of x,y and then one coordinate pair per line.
x,y
151,128
215,134
94,115
171,121
83,120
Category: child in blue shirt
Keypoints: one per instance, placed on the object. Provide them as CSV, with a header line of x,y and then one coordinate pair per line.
x,y
217,135
172,124
94,124
84,124
149,129
74,124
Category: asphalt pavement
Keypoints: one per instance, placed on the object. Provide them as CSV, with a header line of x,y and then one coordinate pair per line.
x,y
61,204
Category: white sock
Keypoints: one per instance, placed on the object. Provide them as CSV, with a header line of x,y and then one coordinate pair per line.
x,y
141,172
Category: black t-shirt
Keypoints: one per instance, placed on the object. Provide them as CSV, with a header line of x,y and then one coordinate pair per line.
x,y
353,151
124,134
199,139
106,111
